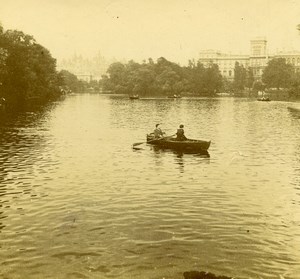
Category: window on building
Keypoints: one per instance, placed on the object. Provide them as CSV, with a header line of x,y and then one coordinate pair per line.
x,y
256,50
230,72
293,61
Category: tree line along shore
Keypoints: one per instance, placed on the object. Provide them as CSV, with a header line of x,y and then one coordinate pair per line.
x,y
165,78
28,74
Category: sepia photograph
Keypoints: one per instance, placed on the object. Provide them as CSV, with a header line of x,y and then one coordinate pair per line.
x,y
150,139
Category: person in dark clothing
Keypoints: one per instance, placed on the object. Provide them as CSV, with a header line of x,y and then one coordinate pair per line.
x,y
180,133
158,133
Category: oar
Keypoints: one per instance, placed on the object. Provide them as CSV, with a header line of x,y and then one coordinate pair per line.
x,y
139,143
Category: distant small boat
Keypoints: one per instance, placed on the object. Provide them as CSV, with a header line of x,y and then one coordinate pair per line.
x,y
174,96
134,97
224,94
264,99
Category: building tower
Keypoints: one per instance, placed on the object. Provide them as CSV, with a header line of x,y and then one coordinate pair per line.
x,y
258,47
258,56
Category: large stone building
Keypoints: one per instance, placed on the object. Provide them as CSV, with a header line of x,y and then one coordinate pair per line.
x,y
257,60
85,69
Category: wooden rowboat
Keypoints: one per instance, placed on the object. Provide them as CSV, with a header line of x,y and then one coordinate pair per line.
x,y
173,143
174,96
264,99
134,97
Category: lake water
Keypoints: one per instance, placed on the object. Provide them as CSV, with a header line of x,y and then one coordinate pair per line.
x,y
77,201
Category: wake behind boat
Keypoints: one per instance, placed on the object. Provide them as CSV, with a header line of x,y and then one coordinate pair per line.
x,y
191,145
295,111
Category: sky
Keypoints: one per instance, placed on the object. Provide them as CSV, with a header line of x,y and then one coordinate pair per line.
x,y
138,29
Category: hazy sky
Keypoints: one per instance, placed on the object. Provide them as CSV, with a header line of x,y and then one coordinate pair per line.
x,y
139,29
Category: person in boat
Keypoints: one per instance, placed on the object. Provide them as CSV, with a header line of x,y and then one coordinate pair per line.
x,y
2,103
180,133
158,133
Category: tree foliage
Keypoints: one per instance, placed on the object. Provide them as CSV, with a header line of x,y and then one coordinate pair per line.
x,y
249,78
27,69
278,74
240,76
69,81
295,86
258,86
3,57
162,78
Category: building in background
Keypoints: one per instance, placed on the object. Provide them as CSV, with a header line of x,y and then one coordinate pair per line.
x,y
257,60
291,57
85,69
226,62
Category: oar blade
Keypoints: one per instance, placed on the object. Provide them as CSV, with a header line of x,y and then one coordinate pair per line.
x,y
137,143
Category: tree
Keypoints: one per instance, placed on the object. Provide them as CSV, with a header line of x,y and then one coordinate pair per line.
x,y
70,81
196,74
249,78
240,76
117,76
142,79
258,86
295,86
227,85
30,70
116,73
167,79
3,57
212,80
106,83
162,78
278,73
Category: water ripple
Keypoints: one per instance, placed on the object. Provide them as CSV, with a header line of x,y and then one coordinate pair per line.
x,y
75,195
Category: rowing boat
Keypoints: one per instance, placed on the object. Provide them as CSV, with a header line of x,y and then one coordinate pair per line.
x,y
134,97
264,99
174,96
173,143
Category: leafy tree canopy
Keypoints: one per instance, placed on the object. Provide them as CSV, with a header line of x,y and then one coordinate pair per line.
x,y
162,78
278,73
27,69
240,76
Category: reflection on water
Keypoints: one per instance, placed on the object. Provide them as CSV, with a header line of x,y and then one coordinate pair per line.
x,y
181,156
74,194
3,192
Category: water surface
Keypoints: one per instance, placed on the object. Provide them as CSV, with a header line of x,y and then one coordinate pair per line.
x,y
76,201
